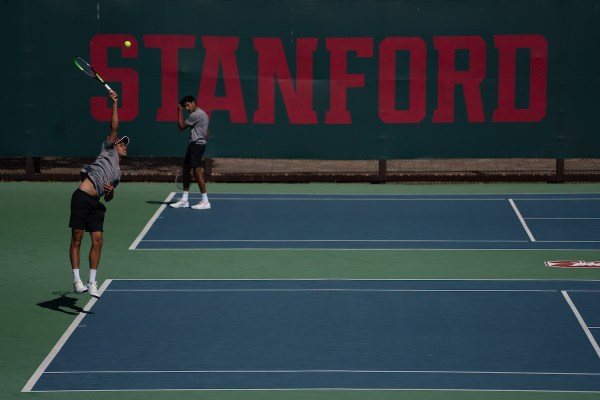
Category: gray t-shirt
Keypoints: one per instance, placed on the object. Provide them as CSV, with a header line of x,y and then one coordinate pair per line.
x,y
198,122
105,169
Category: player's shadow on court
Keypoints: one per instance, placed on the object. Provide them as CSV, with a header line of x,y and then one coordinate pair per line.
x,y
159,202
64,304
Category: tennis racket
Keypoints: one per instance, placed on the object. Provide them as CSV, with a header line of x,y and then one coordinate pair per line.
x,y
87,69
179,180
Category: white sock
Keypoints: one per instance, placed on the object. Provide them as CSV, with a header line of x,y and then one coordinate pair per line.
x,y
92,275
184,196
204,197
76,276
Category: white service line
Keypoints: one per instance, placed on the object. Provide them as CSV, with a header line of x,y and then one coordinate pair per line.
x,y
325,371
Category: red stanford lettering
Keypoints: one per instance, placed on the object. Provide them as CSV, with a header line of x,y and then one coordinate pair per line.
x,y
296,86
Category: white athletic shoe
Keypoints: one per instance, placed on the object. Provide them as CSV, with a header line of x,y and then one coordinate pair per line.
x,y
180,204
79,287
203,205
92,289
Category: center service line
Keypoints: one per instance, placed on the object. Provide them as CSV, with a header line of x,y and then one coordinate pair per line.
x,y
582,322
514,206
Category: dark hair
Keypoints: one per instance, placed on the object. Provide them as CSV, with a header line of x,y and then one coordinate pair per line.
x,y
187,99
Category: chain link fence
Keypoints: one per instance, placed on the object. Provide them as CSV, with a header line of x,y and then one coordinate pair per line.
x,y
164,169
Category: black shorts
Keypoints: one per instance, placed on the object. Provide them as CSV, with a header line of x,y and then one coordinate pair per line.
x,y
87,212
194,156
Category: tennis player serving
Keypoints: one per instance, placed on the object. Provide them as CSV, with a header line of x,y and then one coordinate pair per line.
x,y
98,180
197,121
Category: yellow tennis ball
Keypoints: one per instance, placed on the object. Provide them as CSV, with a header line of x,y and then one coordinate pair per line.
x,y
127,43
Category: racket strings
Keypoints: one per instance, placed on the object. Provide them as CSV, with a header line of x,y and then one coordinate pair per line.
x,y
84,66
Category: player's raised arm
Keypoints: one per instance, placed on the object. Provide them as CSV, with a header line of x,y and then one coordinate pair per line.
x,y
114,121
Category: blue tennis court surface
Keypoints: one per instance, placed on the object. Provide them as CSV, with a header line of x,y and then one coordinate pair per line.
x,y
331,334
310,221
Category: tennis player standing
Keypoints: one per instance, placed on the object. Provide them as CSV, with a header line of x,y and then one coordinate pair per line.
x,y
197,121
99,179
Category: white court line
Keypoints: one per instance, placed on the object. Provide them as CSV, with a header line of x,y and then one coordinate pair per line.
x,y
358,279
341,199
320,371
354,249
514,206
332,240
568,241
140,237
336,290
560,198
584,218
63,339
403,197
582,323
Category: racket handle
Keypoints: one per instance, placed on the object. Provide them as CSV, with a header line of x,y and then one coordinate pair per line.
x,y
107,87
